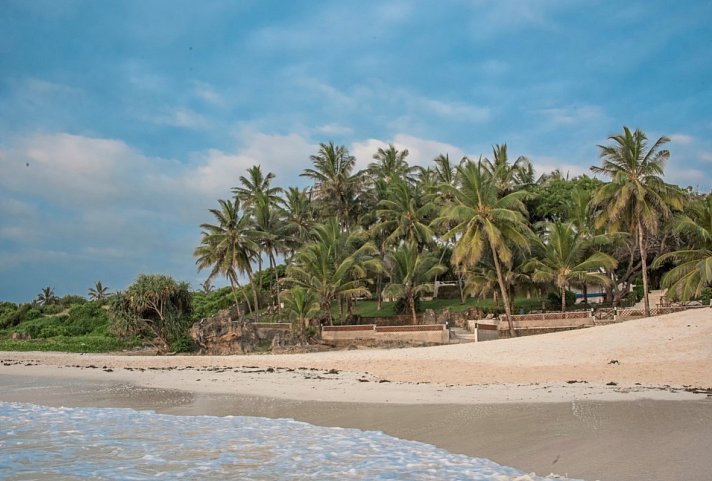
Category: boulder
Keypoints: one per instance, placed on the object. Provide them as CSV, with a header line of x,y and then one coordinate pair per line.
x,y
225,333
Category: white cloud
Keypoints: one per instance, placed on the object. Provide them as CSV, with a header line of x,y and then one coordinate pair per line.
x,y
545,164
682,139
207,93
706,156
572,115
177,117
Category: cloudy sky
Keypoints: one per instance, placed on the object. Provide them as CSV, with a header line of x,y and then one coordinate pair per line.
x,y
121,123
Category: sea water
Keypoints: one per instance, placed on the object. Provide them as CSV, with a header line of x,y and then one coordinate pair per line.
x,y
39,442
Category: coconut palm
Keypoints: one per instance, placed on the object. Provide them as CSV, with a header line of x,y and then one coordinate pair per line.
x,y
565,261
404,215
301,305
693,270
411,272
254,184
336,186
98,292
46,296
484,221
228,247
391,165
269,231
298,218
507,176
636,196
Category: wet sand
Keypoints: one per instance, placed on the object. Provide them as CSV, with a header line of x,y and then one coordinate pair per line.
x,y
636,440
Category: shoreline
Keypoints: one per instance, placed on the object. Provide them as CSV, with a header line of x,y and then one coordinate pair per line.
x,y
568,438
624,402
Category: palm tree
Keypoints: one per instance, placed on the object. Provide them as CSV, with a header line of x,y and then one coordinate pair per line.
x,y
404,215
46,296
298,217
391,165
301,304
693,270
334,265
98,292
228,247
506,176
336,186
269,231
411,272
254,184
486,222
565,261
636,196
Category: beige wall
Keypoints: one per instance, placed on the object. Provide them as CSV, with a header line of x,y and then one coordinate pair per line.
x,y
435,334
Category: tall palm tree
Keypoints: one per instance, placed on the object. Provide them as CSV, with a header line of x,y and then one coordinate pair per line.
x,y
98,292
336,186
485,222
46,296
411,272
507,176
636,196
254,184
693,270
269,232
404,215
298,218
390,165
564,260
228,247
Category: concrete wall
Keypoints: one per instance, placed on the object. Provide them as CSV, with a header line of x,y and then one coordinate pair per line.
x,y
267,330
423,334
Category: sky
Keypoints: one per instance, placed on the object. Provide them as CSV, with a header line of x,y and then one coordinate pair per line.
x,y
122,123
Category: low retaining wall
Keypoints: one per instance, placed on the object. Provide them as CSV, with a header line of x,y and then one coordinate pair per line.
x,y
550,320
422,334
268,330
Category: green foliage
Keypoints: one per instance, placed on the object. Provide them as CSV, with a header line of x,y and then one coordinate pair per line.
x,y
183,343
10,317
553,300
71,344
207,305
401,305
706,296
155,306
70,300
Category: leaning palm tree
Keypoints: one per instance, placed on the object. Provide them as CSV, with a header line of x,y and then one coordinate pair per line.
x,y
693,270
228,247
564,260
46,296
98,292
297,214
636,196
484,221
411,272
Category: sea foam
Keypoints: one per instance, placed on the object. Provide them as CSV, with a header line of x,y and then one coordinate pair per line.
x,y
123,444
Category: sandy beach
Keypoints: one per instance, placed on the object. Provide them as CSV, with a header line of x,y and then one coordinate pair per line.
x,y
629,401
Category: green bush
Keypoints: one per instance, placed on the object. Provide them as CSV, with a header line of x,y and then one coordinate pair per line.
x,y
70,300
553,300
51,309
11,318
400,307
183,344
706,296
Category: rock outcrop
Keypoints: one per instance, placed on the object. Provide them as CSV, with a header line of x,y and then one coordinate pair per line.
x,y
225,333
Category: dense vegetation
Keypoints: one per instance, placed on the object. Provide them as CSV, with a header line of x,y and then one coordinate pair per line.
x,y
374,242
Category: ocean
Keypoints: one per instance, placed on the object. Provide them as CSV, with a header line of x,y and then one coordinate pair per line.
x,y
46,443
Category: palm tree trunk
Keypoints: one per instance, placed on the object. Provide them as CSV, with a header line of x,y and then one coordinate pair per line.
x,y
379,295
411,300
234,296
503,289
644,262
256,307
276,281
563,299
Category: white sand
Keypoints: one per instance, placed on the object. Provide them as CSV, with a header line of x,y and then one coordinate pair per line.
x,y
672,351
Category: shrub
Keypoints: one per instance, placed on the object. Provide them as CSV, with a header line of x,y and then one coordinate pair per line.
x,y
11,318
183,344
553,300
401,306
706,296
70,300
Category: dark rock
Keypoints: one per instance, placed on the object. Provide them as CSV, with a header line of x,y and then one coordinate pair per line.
x,y
225,333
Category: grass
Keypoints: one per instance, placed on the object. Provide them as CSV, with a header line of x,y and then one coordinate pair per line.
x,y
369,308
70,344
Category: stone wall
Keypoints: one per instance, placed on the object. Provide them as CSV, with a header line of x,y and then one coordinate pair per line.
x,y
420,334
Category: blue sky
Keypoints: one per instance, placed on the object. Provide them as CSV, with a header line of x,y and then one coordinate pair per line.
x,y
121,123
